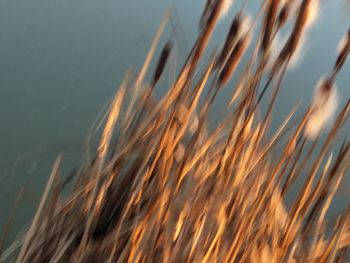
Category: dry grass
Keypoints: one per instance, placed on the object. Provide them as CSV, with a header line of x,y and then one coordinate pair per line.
x,y
165,190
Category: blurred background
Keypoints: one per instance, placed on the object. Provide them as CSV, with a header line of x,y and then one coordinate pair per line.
x,y
61,61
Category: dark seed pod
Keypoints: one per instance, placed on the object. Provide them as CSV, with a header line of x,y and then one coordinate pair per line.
x,y
327,85
162,60
214,13
269,22
204,17
230,40
233,60
205,34
296,35
283,15
343,53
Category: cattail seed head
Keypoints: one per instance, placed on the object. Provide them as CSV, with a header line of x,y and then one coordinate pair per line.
x,y
215,13
206,32
298,27
275,48
344,50
246,25
239,27
344,42
296,35
299,53
312,13
324,106
284,14
162,60
205,14
230,40
289,9
233,59
227,4
269,22
214,10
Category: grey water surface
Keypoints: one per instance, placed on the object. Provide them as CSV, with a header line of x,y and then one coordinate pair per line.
x,y
61,61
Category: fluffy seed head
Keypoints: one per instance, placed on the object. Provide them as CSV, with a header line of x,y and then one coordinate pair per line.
x,y
304,20
344,42
299,52
194,123
246,24
324,106
179,152
276,47
226,6
312,13
299,28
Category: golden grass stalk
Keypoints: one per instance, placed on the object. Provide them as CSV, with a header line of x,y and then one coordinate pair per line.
x,y
35,224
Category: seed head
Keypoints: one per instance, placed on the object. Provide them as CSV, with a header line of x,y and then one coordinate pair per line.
x,y
324,106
